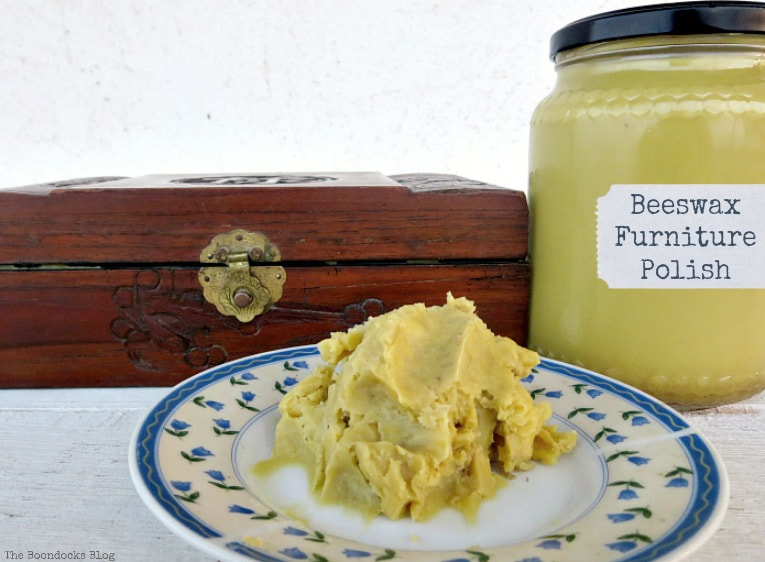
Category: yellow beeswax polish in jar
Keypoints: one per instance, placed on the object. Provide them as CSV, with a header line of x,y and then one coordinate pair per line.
x,y
647,199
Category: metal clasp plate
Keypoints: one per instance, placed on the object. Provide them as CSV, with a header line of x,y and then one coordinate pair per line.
x,y
238,285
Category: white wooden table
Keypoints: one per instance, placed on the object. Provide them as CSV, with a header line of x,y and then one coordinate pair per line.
x,y
65,486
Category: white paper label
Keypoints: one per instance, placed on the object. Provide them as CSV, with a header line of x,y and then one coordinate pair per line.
x,y
682,236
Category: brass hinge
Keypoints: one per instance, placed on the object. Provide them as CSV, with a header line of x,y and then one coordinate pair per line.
x,y
245,286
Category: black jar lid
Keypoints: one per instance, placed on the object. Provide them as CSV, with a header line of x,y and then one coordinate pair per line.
x,y
681,18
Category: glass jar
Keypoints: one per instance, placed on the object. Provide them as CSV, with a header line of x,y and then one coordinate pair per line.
x,y
647,199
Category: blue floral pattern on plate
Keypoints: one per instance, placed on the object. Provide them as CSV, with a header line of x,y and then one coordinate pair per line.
x,y
660,492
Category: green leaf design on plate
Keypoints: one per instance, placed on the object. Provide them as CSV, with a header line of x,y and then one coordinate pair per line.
x,y
678,470
644,511
389,555
317,537
480,556
191,498
631,483
224,431
621,454
225,486
178,434
603,432
191,458
571,537
635,537
244,405
578,387
534,395
267,516
575,412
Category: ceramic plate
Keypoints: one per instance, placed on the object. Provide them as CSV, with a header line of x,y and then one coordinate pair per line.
x,y
641,483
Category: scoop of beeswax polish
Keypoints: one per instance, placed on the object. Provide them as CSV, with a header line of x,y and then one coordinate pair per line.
x,y
410,410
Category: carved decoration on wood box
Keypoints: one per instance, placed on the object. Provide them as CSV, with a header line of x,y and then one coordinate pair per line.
x,y
159,321
439,182
259,179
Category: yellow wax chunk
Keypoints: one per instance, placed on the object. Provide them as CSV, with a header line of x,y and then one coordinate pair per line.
x,y
410,411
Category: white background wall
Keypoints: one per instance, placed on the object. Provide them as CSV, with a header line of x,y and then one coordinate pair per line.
x,y
130,87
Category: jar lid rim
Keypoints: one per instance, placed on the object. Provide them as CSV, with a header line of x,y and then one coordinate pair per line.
x,y
680,18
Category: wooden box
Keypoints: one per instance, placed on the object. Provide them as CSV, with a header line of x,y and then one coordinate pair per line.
x,y
100,281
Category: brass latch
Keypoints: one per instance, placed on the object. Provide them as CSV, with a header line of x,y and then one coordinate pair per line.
x,y
242,287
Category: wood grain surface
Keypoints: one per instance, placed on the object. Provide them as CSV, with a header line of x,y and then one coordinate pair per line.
x,y
126,326
420,218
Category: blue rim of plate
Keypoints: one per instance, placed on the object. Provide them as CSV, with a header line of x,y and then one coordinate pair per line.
x,y
712,480
702,515
146,439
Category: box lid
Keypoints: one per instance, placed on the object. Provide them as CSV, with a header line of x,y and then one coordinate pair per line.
x,y
332,216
